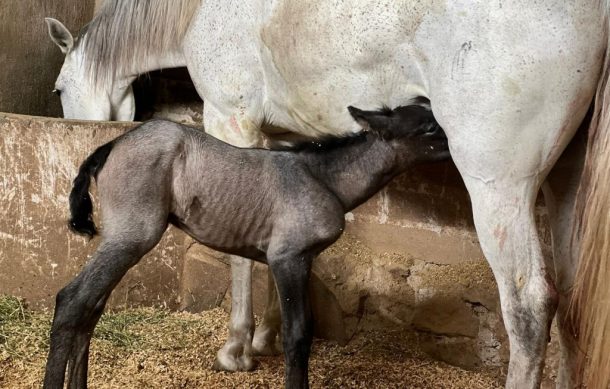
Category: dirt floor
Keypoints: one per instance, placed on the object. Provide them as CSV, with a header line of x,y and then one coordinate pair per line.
x,y
147,348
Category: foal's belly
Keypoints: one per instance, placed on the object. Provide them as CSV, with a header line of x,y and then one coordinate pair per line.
x,y
230,213
234,242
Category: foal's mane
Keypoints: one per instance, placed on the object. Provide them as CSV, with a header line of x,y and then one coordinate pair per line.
x,y
124,32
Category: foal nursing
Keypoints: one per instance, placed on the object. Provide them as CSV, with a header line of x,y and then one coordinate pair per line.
x,y
278,207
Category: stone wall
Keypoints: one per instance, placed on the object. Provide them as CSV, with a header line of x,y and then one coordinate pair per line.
x,y
30,60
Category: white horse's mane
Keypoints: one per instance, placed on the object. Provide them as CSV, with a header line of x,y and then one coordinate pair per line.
x,y
124,31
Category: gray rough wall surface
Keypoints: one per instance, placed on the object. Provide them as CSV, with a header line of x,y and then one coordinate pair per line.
x,y
30,60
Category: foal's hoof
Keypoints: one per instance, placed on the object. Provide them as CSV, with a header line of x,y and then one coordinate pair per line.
x,y
225,362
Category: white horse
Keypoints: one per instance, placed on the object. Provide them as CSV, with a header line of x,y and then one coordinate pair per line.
x,y
510,82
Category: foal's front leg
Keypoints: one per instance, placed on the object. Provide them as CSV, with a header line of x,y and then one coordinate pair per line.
x,y
291,273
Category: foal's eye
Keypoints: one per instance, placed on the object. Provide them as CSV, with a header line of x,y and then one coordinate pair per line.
x,y
57,92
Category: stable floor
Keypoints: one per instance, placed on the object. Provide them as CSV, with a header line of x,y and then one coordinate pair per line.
x,y
146,348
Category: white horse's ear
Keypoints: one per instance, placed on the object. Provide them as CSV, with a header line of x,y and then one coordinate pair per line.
x,y
60,35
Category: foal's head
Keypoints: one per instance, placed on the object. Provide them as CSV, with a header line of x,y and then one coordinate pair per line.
x,y
411,130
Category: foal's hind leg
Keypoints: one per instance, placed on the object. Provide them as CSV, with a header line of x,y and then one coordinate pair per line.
x,y
80,303
78,365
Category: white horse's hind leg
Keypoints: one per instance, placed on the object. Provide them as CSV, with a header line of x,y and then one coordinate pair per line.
x,y
508,120
503,181
560,191
504,218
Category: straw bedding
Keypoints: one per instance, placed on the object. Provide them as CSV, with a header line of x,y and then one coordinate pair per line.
x,y
148,348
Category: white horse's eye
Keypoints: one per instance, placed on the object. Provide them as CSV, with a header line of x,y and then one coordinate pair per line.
x,y
57,92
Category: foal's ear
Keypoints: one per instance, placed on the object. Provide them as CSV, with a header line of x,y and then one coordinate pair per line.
x,y
60,35
370,120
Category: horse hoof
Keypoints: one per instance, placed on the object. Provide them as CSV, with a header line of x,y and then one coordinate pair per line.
x,y
266,349
231,363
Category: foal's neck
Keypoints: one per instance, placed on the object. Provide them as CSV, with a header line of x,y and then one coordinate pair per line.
x,y
355,172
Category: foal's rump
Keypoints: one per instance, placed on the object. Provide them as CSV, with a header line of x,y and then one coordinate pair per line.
x,y
133,174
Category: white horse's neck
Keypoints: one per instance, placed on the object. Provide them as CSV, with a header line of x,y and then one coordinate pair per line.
x,y
170,59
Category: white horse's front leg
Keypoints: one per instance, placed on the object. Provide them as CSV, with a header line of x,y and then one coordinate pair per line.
x,y
236,354
266,339
242,129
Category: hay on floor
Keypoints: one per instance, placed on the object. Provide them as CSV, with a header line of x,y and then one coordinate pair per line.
x,y
148,348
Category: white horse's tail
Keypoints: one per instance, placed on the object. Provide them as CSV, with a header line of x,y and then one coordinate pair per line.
x,y
592,288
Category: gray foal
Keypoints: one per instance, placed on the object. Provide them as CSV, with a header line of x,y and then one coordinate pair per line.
x,y
279,207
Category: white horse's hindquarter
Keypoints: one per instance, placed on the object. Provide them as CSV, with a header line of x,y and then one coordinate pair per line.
x,y
510,95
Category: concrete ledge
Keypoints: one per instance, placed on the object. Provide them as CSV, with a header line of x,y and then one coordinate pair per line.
x,y
39,158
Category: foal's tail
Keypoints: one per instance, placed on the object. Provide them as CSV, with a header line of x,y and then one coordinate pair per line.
x,y
81,207
592,288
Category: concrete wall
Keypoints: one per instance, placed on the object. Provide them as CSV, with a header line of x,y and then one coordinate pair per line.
x,y
39,158
30,61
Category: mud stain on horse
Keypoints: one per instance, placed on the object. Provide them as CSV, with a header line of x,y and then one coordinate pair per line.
x,y
500,234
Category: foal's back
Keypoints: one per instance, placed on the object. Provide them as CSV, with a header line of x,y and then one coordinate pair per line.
x,y
223,196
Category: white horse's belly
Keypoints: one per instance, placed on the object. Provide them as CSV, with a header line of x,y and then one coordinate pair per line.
x,y
298,64
518,65
320,57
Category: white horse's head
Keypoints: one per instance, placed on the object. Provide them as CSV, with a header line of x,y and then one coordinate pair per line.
x,y
80,97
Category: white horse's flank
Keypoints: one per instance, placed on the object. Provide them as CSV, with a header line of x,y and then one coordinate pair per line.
x,y
510,82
